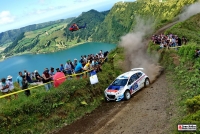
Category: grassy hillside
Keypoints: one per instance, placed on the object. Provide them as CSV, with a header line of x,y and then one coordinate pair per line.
x,y
186,69
47,39
92,19
122,17
44,111
190,29
11,35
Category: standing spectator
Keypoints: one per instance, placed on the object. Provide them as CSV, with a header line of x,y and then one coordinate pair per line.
x,y
79,68
85,58
32,76
62,69
27,74
179,41
37,76
72,66
87,66
29,78
4,87
19,79
46,79
184,40
58,70
25,86
11,85
68,68
75,62
51,72
82,59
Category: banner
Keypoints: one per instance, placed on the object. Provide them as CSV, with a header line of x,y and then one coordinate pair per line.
x,y
94,79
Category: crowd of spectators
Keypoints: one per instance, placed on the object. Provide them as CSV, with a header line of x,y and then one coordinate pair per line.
x,y
86,63
166,41
169,40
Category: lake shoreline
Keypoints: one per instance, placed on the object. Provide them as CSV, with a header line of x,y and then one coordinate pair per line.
x,y
2,59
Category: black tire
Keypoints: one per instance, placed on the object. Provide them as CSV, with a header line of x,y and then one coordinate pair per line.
x,y
146,82
106,100
127,95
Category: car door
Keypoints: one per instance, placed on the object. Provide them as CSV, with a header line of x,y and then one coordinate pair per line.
x,y
130,84
140,80
135,85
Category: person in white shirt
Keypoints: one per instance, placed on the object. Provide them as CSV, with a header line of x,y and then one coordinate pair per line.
x,y
4,87
11,85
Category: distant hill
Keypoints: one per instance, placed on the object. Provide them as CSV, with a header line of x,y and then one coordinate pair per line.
x,y
56,36
92,19
122,17
11,35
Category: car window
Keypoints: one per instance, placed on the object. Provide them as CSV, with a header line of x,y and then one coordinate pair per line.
x,y
130,81
120,82
139,74
135,77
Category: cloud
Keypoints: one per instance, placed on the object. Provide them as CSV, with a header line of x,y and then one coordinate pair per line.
x,y
81,0
41,1
48,9
6,17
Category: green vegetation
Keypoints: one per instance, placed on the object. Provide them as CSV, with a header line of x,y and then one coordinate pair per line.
x,y
190,29
92,19
11,35
56,36
186,67
43,111
106,26
123,17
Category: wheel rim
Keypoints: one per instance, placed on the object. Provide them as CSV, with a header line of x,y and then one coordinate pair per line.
x,y
147,82
128,95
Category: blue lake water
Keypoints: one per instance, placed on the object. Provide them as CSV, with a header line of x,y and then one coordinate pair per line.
x,y
31,62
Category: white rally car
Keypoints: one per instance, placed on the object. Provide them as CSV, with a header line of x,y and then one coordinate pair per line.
x,y
126,84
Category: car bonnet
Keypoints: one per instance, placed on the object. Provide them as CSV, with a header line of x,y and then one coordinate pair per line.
x,y
114,88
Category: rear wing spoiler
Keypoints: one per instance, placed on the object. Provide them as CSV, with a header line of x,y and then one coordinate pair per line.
x,y
134,69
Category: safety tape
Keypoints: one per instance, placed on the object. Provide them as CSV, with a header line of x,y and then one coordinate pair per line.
x,y
175,47
6,95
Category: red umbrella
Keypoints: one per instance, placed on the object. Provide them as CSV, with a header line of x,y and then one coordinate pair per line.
x,y
59,78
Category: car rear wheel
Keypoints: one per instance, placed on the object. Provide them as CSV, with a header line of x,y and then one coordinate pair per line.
x,y
147,82
127,95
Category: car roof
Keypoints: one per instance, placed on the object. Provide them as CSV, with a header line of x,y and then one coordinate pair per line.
x,y
127,74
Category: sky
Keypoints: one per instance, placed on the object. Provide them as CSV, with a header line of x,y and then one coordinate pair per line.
x,y
19,13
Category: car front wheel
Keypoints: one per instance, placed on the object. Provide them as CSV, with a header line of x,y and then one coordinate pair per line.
x,y
127,95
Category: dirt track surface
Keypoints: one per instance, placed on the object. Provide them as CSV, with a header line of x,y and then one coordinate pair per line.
x,y
144,113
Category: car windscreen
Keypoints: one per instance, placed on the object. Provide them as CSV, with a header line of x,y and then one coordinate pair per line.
x,y
120,82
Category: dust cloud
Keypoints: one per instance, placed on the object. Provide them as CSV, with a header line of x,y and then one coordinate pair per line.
x,y
135,46
189,11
